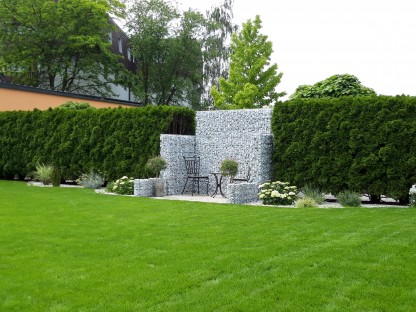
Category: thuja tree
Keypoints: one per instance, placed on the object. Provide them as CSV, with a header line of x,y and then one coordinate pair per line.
x,y
115,142
59,45
332,87
252,79
362,144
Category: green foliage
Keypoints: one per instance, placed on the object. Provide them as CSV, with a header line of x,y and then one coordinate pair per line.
x,y
334,86
92,180
43,173
56,176
216,49
277,193
349,199
365,144
313,193
166,43
306,202
252,81
59,45
154,165
229,168
75,106
122,186
115,142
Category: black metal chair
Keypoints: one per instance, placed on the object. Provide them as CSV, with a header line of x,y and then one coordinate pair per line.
x,y
192,165
244,179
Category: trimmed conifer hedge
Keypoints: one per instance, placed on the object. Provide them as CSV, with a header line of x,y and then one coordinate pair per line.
x,y
115,142
362,144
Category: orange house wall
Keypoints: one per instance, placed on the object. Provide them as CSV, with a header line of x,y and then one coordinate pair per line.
x,y
25,100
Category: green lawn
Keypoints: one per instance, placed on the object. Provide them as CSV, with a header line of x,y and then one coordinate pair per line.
x,y
74,250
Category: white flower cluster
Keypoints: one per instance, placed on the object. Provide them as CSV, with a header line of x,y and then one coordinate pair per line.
x,y
277,192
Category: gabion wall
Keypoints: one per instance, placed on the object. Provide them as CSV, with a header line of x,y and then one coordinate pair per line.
x,y
172,149
242,135
241,193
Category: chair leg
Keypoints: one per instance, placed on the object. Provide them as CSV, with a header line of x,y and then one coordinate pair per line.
x,y
207,185
185,186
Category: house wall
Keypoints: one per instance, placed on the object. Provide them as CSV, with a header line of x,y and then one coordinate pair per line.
x,y
242,135
14,97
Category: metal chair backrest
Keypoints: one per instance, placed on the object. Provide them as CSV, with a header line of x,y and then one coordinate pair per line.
x,y
192,164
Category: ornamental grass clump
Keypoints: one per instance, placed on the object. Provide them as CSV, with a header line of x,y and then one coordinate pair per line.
x,y
277,193
43,173
314,193
306,202
123,186
349,199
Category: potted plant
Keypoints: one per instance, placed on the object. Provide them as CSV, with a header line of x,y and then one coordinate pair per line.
x,y
229,168
153,167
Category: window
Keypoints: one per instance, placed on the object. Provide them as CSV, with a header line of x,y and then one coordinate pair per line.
x,y
120,45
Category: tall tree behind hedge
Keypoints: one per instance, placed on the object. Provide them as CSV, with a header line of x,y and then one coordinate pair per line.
x,y
167,46
333,87
252,80
59,45
216,47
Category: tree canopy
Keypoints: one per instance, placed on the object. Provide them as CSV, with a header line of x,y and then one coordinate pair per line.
x,y
60,45
252,80
166,46
334,86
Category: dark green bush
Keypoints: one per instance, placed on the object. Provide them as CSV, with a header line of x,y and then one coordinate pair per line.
x,y
364,144
115,142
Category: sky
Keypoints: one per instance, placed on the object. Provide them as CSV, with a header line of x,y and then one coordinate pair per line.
x,y
375,40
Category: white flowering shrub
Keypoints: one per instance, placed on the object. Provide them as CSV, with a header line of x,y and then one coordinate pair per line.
x,y
412,196
277,193
92,180
123,186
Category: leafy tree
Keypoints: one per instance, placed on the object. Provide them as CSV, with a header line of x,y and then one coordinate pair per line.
x,y
60,45
252,81
333,87
168,49
216,47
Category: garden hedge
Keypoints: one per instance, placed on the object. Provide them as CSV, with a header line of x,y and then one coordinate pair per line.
x,y
115,142
362,144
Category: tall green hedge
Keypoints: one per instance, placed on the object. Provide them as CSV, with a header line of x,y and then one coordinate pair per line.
x,y
363,144
115,142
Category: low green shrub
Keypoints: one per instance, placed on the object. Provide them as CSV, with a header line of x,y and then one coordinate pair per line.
x,y
92,180
349,199
314,193
123,186
306,202
56,177
277,193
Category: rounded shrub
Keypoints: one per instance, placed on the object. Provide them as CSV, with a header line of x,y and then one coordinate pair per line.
x,y
154,165
229,168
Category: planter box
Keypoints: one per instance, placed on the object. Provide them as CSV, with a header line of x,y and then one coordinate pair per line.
x,y
149,187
